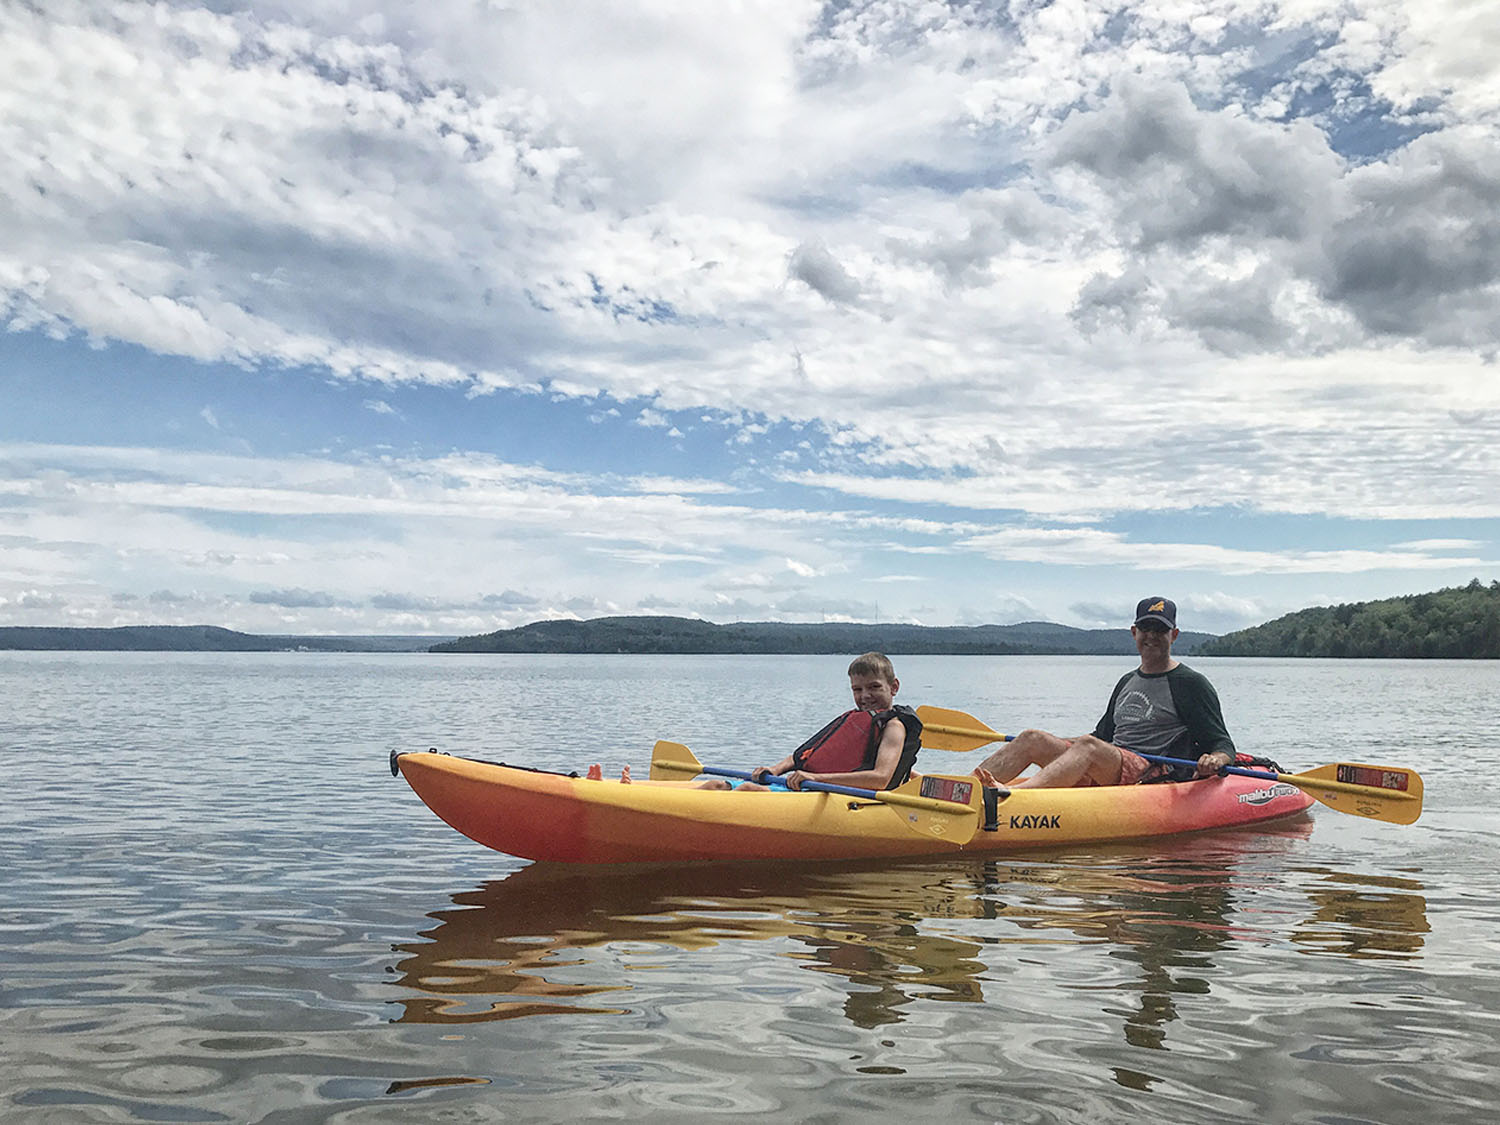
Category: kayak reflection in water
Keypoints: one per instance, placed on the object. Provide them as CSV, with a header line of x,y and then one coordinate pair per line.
x,y
896,938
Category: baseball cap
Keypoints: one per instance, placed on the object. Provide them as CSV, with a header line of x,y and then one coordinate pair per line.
x,y
1157,609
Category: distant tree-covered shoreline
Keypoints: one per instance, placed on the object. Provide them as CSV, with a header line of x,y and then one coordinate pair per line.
x,y
192,638
1462,622
1457,623
691,636
611,635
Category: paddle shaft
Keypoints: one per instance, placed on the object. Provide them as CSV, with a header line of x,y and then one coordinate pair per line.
x,y
885,796
1289,778
966,732
1241,770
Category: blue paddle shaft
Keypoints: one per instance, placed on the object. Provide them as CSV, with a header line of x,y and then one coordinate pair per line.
x,y
1241,770
815,786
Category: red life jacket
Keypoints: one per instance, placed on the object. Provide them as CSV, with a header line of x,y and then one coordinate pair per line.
x,y
851,742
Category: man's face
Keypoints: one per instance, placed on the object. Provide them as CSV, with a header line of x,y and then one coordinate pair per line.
x,y
1153,639
873,693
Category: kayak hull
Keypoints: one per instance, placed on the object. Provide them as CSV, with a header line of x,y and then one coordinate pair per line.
x,y
561,818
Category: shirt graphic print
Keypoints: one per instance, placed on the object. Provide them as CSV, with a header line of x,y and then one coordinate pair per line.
x,y
1146,719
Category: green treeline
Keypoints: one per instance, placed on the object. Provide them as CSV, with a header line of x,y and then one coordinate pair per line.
x,y
137,638
191,638
692,636
1460,623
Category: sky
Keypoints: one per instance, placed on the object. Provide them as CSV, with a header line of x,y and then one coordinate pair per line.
x,y
357,316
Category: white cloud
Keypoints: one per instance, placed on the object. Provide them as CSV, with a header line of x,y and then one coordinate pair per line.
x,y
1439,545
1045,265
430,530
1092,547
675,485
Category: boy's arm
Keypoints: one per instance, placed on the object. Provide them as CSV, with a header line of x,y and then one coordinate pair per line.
x,y
887,758
780,767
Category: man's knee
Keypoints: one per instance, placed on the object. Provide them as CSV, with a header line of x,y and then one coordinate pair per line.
x,y
1039,747
1096,748
1102,759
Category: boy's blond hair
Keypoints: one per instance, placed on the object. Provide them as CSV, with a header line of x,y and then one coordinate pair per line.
x,y
873,664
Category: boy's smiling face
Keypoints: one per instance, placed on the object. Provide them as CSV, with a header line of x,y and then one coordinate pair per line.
x,y
873,693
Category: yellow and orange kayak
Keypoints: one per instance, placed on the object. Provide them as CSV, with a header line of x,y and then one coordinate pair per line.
x,y
540,815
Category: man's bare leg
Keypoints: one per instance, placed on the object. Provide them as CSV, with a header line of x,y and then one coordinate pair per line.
x,y
1029,748
1084,757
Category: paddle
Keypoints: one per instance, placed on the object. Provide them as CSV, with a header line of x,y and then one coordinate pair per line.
x,y
1378,792
955,730
955,821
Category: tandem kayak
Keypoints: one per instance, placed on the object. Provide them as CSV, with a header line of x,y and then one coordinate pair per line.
x,y
542,815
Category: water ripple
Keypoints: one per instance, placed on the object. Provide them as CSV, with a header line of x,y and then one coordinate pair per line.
x,y
216,905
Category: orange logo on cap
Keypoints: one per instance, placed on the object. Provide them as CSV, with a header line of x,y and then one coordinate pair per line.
x,y
1158,606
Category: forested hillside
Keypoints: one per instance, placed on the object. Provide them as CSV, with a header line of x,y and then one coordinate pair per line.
x,y
688,635
1462,622
193,638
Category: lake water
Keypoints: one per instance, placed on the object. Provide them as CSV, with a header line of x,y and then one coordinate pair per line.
x,y
218,905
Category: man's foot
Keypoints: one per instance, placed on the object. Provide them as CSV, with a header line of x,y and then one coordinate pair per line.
x,y
625,776
595,773
987,779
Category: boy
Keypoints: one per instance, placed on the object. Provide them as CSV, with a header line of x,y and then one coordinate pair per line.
x,y
848,751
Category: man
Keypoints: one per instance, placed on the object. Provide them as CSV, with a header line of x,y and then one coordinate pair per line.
x,y
1163,708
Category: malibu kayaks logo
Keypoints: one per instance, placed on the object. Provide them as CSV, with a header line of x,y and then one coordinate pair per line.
x,y
1267,795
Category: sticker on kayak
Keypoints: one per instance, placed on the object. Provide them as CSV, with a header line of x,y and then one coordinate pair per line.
x,y
1267,795
947,789
1373,777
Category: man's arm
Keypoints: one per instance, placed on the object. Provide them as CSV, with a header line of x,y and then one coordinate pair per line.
x,y
1197,705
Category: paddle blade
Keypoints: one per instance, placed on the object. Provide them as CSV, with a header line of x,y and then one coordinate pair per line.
x,y
671,759
945,729
1377,792
945,808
